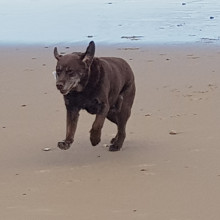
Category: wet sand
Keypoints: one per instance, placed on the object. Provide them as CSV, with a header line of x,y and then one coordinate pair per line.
x,y
169,166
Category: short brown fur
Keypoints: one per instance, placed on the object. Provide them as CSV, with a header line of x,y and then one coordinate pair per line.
x,y
103,86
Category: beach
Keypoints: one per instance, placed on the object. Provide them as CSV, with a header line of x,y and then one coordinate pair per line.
x,y
169,165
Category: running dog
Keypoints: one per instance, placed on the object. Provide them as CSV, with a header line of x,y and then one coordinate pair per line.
x,y
103,86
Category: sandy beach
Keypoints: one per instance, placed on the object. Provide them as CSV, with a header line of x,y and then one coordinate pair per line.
x,y
169,167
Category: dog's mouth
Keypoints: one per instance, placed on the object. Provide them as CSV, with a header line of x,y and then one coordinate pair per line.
x,y
70,85
64,92
76,87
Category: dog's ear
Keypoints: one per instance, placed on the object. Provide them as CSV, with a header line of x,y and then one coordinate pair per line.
x,y
89,54
56,54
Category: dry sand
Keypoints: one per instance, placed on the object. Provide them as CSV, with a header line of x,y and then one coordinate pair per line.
x,y
156,176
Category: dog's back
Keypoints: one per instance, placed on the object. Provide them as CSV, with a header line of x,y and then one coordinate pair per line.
x,y
117,75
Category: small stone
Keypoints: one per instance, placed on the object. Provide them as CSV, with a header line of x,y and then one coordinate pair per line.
x,y
172,132
142,170
46,149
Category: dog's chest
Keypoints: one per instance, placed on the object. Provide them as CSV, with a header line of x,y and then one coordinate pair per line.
x,y
80,101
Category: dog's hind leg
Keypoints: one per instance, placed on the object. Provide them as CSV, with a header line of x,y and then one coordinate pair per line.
x,y
121,118
71,124
119,103
118,140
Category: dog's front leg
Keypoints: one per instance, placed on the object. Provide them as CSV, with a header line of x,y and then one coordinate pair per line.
x,y
71,124
95,133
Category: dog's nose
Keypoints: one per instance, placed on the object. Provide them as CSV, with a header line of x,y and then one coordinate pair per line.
x,y
59,86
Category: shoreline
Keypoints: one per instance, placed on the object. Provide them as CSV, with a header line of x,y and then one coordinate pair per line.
x,y
129,42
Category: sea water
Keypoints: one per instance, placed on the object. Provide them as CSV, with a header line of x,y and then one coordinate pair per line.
x,y
109,21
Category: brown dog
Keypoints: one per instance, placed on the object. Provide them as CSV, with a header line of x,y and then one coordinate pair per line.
x,y
103,86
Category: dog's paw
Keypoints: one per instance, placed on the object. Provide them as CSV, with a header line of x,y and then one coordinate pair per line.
x,y
95,140
114,147
63,145
95,137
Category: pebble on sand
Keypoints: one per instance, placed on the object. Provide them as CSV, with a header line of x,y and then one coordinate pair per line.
x,y
46,149
172,132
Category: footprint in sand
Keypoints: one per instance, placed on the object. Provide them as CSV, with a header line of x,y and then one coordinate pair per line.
x,y
212,86
144,168
42,171
192,56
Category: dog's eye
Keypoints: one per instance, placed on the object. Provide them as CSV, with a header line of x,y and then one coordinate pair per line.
x,y
70,73
81,74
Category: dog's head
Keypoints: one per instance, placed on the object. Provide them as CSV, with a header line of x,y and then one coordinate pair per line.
x,y
73,70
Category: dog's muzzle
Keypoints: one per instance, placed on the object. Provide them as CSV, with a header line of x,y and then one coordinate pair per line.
x,y
59,86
